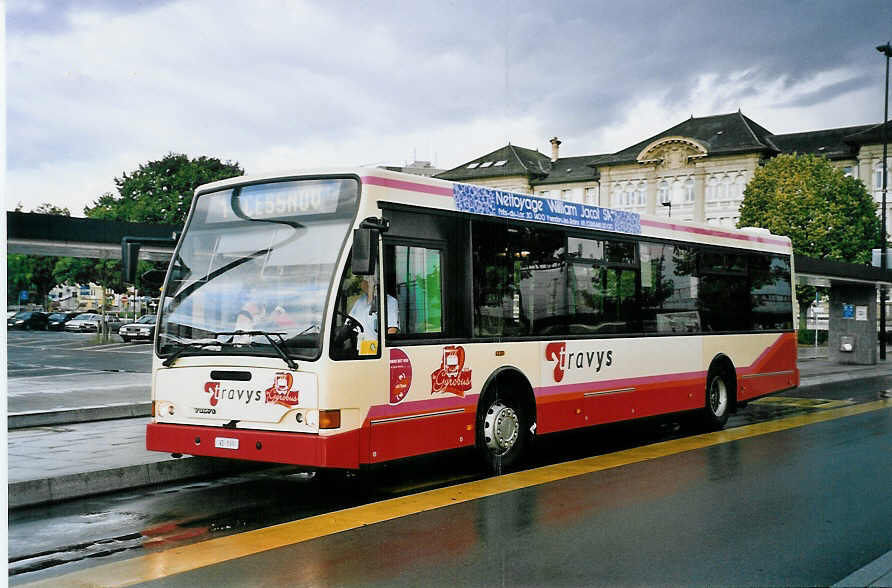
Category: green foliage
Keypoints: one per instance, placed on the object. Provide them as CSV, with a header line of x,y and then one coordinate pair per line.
x,y
50,208
160,191
33,273
826,214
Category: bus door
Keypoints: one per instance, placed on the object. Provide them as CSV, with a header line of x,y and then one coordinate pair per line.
x,y
423,274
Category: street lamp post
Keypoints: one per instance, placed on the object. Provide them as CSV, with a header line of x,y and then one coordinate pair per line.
x,y
887,51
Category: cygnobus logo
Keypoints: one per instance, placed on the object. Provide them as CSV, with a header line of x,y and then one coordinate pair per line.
x,y
280,392
576,360
452,377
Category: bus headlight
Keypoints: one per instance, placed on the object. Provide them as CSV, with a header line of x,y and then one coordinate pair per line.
x,y
312,419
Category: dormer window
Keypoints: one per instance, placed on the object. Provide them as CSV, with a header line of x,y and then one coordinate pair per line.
x,y
500,163
472,165
486,164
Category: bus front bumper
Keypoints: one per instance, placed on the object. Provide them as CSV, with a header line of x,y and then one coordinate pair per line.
x,y
335,451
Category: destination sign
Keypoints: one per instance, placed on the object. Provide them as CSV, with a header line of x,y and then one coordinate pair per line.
x,y
276,200
480,200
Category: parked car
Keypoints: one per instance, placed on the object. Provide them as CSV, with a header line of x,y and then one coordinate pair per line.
x,y
86,322
59,319
143,328
28,320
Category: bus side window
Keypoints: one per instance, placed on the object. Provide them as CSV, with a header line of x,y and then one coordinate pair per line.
x,y
413,285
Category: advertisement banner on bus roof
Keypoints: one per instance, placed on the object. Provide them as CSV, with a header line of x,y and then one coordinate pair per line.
x,y
480,200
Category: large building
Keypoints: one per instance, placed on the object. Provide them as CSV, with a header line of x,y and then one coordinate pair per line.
x,y
696,170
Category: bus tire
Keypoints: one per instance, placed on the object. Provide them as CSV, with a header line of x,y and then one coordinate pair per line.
x,y
503,431
719,397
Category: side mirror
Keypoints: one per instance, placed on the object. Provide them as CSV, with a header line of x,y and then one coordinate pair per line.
x,y
365,252
152,279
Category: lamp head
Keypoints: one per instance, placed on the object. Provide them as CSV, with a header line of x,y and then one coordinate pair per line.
x,y
885,49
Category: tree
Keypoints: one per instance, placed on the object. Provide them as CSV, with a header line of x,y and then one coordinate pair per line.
x,y
31,273
826,214
160,191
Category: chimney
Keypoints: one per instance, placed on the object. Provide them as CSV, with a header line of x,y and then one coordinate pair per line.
x,y
555,144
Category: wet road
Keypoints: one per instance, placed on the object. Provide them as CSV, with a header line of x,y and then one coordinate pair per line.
x,y
804,506
45,542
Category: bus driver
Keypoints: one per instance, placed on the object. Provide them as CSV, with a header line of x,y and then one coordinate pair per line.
x,y
365,310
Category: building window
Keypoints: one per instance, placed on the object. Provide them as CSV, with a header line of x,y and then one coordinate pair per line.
x,y
739,186
642,193
591,196
712,194
663,191
689,190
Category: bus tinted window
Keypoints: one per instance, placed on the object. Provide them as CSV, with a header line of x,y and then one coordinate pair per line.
x,y
519,281
603,287
669,288
724,292
772,294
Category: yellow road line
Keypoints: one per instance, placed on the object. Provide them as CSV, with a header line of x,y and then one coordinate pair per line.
x,y
161,564
801,402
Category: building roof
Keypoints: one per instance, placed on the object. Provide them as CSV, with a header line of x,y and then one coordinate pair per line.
x,y
871,134
831,143
722,134
509,160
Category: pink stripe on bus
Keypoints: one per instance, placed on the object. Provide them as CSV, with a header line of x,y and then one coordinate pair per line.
x,y
411,186
712,232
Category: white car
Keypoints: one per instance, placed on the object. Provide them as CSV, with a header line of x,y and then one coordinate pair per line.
x,y
84,323
143,328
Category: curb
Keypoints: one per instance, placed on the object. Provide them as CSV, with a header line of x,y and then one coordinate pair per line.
x,y
34,492
86,414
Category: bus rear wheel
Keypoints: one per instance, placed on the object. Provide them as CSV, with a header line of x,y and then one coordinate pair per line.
x,y
502,433
718,399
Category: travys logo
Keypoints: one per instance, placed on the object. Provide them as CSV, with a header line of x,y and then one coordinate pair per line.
x,y
580,359
218,392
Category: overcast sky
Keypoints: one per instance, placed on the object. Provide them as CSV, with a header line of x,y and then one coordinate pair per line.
x,y
96,87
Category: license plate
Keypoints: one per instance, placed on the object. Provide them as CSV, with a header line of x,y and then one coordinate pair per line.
x,y
226,443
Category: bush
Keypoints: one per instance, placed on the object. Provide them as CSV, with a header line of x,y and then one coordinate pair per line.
x,y
807,337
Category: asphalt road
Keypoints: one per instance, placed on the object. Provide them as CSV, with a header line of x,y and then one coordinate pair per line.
x,y
74,370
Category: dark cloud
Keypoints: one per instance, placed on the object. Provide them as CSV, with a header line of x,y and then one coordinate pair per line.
x,y
55,16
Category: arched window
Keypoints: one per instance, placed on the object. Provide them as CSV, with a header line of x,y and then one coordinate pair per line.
x,y
739,186
677,192
663,191
712,194
689,190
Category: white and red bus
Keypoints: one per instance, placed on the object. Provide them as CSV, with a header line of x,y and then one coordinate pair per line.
x,y
339,319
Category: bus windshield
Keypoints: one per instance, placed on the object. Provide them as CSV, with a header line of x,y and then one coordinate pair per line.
x,y
253,269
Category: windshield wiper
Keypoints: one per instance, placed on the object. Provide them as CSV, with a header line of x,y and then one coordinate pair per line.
x,y
278,346
186,345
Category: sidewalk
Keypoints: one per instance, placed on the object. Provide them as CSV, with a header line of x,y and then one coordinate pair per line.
x,y
72,458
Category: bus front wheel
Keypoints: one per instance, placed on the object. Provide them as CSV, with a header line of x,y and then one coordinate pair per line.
x,y
502,433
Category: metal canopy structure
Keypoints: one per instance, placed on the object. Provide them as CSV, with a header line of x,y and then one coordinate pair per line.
x,y
49,234
826,273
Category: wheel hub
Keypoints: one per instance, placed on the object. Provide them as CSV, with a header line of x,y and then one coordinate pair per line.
x,y
718,397
501,428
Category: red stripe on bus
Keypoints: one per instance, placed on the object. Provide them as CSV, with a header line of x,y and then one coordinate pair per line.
x,y
712,232
404,185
